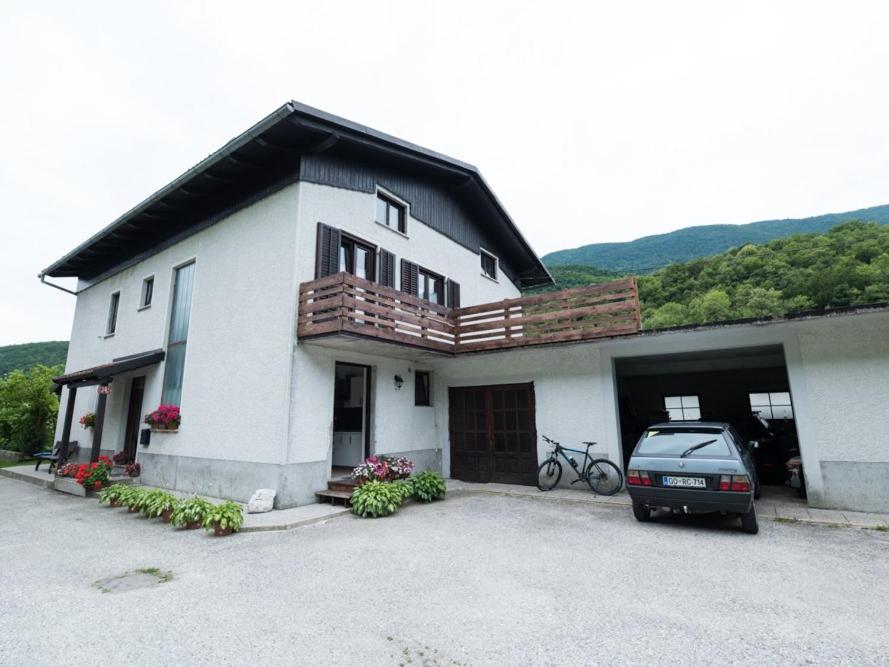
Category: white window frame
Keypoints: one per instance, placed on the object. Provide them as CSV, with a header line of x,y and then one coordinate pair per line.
x,y
496,276
398,200
142,304
759,407
113,314
683,408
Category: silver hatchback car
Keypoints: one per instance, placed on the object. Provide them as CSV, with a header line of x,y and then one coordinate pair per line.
x,y
693,467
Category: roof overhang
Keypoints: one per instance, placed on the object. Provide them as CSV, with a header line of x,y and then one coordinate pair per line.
x,y
105,373
256,163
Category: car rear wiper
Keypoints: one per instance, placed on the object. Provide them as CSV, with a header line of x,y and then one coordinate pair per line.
x,y
695,447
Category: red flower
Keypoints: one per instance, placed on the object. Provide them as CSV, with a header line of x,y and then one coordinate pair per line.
x,y
97,486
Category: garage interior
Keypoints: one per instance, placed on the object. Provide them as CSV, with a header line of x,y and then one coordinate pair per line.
x,y
746,387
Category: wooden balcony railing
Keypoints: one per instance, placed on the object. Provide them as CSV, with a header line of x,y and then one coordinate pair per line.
x,y
344,303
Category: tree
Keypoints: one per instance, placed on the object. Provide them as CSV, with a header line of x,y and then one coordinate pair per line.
x,y
28,409
713,306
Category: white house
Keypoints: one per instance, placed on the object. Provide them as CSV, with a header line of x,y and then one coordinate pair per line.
x,y
315,292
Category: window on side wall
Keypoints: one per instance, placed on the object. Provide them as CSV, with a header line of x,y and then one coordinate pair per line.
x,y
147,292
111,325
422,388
177,339
391,213
772,405
489,264
683,408
431,286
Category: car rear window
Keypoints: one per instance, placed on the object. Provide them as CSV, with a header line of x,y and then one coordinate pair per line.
x,y
671,442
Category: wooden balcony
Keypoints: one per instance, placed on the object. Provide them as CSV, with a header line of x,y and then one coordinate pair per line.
x,y
344,304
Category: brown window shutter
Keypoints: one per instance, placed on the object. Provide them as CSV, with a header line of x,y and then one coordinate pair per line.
x,y
327,254
386,272
410,277
452,290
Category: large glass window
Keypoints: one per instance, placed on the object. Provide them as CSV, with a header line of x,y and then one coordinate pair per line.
x,y
179,316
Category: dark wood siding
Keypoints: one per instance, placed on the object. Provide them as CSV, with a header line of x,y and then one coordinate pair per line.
x,y
433,204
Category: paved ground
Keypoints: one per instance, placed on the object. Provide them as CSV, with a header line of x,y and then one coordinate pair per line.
x,y
476,579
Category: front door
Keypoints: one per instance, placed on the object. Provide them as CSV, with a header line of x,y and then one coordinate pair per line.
x,y
134,417
493,434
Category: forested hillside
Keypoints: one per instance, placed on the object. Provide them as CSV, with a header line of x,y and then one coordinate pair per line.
x,y
50,353
576,276
847,266
653,252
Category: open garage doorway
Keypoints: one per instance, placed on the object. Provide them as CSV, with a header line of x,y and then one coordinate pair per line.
x,y
746,387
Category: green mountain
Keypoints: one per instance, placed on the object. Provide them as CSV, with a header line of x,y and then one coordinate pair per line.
x,y
847,266
649,253
50,353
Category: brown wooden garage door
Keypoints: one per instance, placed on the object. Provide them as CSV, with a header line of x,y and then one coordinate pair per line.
x,y
493,434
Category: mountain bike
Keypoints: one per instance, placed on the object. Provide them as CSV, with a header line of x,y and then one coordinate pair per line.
x,y
602,475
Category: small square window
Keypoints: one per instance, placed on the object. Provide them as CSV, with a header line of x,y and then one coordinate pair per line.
x,y
772,405
682,408
112,314
391,213
489,264
422,388
147,292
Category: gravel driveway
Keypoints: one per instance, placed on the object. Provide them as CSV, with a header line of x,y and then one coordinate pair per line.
x,y
476,579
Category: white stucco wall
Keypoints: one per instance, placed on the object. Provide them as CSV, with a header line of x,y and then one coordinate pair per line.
x,y
354,212
237,373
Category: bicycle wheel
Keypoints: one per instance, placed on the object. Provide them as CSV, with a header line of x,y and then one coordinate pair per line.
x,y
604,477
548,474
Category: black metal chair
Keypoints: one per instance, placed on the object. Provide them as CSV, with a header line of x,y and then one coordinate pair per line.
x,y
53,456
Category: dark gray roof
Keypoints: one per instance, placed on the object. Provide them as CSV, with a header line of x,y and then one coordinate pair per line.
x,y
257,162
105,372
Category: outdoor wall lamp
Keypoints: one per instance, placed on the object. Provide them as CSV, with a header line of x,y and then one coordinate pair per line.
x,y
398,382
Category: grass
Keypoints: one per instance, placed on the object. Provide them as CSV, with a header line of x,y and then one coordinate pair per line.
x,y
162,577
10,464
784,519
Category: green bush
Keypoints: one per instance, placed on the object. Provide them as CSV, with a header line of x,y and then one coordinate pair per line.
x,y
405,488
158,501
376,499
134,497
28,409
113,493
427,486
191,511
227,515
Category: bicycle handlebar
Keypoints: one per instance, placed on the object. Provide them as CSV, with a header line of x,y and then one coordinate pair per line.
x,y
553,442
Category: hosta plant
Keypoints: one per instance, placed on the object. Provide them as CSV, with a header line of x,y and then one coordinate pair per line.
x,y
134,498
376,499
405,488
427,486
112,495
157,502
225,518
190,513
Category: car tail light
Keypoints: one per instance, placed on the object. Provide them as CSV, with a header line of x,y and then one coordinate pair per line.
x,y
734,483
638,478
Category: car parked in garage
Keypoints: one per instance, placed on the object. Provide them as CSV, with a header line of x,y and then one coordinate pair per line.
x,y
693,467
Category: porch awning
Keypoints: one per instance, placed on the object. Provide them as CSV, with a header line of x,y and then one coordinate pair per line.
x,y
104,373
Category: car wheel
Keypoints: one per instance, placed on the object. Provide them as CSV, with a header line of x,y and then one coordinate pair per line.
x,y
748,521
641,512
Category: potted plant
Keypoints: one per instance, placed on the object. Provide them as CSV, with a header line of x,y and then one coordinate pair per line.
x,y
427,486
383,469
111,495
134,498
133,469
159,503
165,419
121,458
225,518
88,420
190,513
86,476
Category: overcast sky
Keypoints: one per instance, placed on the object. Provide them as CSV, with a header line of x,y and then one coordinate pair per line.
x,y
592,121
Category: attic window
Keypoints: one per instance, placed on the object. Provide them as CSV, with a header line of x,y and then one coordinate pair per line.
x,y
391,213
489,264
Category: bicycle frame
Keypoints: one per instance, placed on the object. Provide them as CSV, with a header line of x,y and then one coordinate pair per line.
x,y
587,459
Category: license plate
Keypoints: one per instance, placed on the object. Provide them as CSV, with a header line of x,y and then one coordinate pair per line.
x,y
687,482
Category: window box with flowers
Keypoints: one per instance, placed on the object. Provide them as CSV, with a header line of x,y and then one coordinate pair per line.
x,y
88,420
165,419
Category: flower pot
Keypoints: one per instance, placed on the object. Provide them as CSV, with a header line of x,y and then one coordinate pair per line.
x,y
114,503
132,510
191,525
219,531
167,515
158,429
